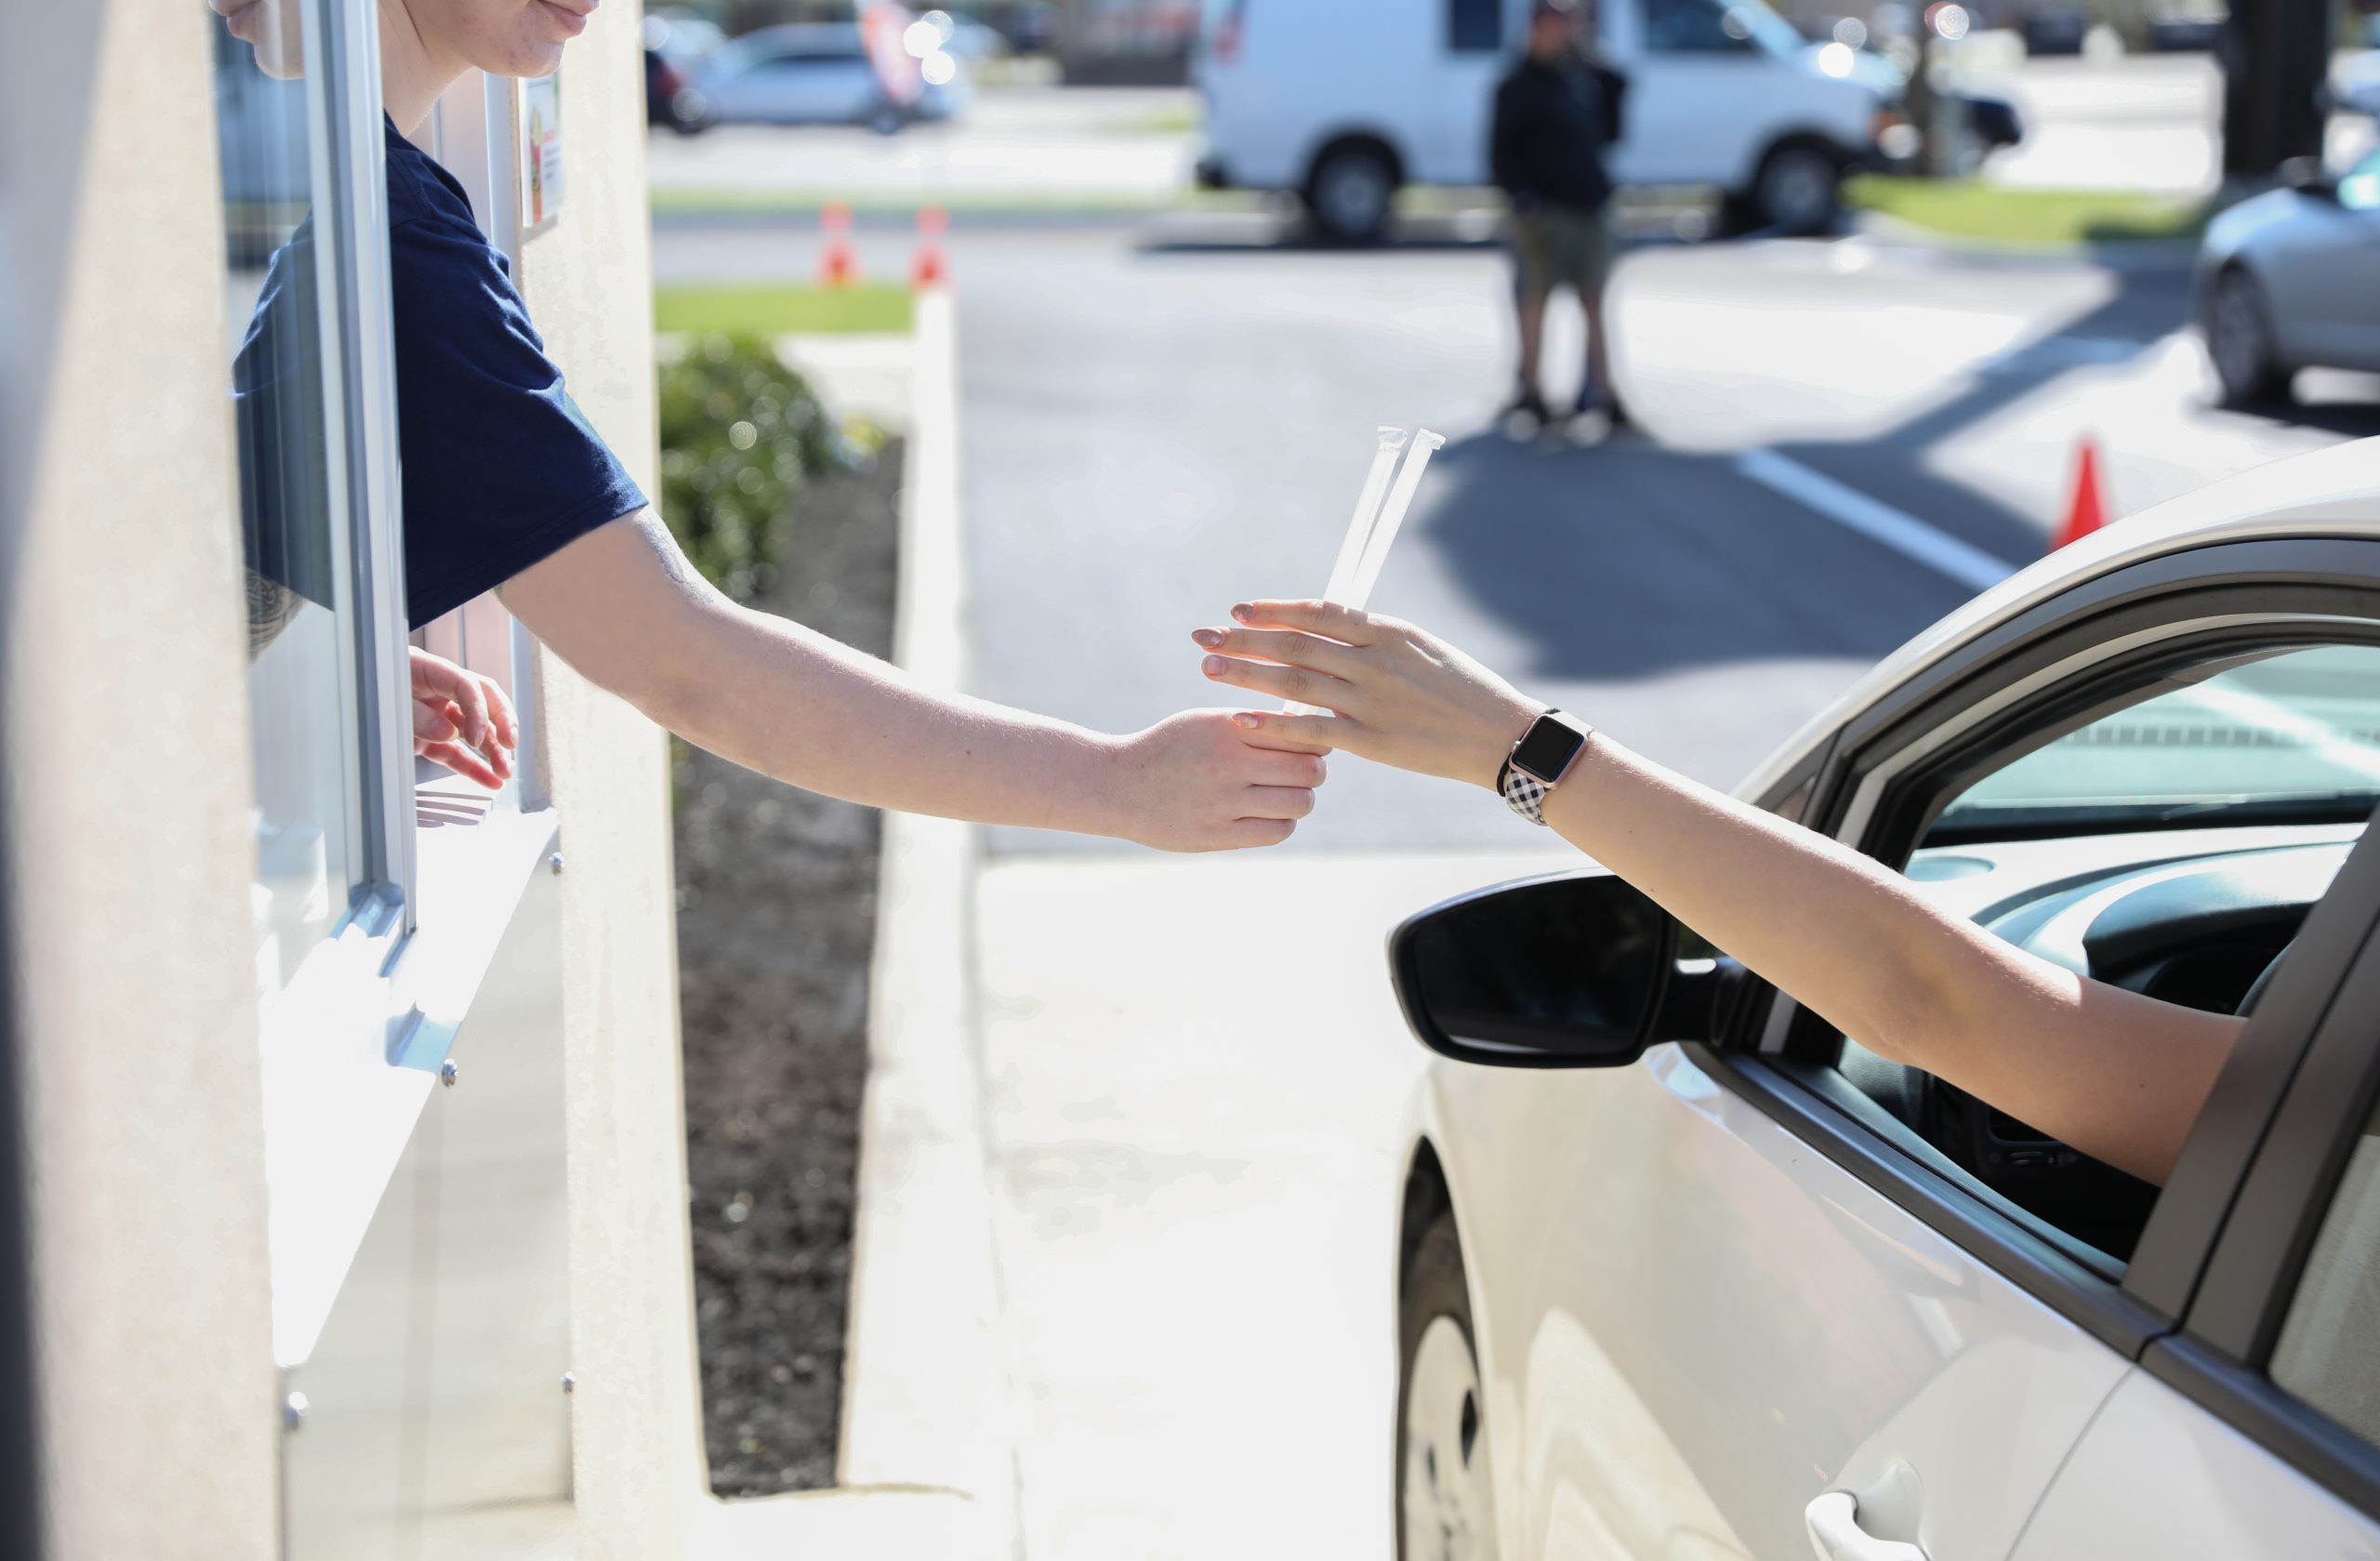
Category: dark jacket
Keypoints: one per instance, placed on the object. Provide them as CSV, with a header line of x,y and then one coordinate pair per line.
x,y
1552,125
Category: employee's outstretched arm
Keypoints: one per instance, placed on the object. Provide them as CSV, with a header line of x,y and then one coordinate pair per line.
x,y
2109,1072
624,606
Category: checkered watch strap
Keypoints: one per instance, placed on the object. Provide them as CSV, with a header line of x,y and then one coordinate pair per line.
x,y
1524,793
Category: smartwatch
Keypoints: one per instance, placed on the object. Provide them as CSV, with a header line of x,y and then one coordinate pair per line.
x,y
1539,761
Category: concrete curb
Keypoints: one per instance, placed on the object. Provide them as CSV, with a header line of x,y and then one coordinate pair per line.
x,y
926,1405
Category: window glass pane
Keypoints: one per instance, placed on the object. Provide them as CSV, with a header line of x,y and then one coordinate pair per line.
x,y
2169,836
1475,25
300,691
1694,27
2289,737
2329,1352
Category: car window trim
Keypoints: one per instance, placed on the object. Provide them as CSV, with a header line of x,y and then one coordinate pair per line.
x,y
2331,584
2253,1405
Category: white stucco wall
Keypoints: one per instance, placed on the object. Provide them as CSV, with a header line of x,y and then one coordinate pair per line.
x,y
126,762
588,282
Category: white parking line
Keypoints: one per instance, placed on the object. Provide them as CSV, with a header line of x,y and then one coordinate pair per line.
x,y
1876,519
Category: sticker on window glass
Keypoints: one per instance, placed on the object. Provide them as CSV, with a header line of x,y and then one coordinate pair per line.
x,y
540,101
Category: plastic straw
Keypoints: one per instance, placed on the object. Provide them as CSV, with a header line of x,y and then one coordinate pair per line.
x,y
1359,528
1364,547
1400,499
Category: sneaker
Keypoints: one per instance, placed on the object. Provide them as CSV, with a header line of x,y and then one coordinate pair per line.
x,y
1530,403
1596,398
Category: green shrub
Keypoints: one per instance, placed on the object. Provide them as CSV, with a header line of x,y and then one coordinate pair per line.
x,y
740,433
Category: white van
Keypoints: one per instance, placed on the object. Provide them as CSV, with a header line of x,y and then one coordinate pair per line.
x,y
1344,100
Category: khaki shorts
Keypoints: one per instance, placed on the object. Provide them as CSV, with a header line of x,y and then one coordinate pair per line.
x,y
1555,245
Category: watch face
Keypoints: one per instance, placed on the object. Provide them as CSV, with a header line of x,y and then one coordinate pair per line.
x,y
1548,749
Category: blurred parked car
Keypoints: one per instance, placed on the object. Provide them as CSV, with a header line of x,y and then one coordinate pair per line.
x,y
2055,30
2354,84
1685,1271
670,96
2177,29
2291,279
822,73
1345,101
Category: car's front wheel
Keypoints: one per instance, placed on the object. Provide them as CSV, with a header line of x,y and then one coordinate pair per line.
x,y
1352,192
2239,340
1798,190
1446,1498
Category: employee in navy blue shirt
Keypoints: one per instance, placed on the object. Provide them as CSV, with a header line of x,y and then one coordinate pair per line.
x,y
508,487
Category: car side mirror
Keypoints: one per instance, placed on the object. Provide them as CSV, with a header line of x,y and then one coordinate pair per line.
x,y
1576,971
2306,175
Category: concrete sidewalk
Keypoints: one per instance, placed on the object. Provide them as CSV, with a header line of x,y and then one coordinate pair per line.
x,y
1198,1076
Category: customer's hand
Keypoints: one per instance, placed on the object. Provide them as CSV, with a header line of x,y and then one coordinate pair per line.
x,y
1199,782
462,720
1402,696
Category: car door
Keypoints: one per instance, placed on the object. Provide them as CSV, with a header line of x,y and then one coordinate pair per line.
x,y
1697,93
1768,1281
1467,55
804,86
2325,276
2268,1397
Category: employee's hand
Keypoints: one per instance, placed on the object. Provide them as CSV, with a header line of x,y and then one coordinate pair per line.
x,y
1199,782
1402,696
462,720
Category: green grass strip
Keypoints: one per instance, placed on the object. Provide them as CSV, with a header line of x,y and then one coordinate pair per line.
x,y
1966,208
772,310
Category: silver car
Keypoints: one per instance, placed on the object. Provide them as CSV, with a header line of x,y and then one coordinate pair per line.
x,y
1687,1272
2291,279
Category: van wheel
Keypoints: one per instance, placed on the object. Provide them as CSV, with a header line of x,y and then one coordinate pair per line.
x,y
1351,192
1798,190
2239,338
1446,1497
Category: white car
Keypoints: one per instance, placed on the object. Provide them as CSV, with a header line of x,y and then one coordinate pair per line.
x,y
2291,279
821,73
1685,1273
1345,101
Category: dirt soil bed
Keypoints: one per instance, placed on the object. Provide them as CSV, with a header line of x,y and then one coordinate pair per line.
x,y
776,917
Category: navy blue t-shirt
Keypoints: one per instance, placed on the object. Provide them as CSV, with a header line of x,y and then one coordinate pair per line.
x,y
500,468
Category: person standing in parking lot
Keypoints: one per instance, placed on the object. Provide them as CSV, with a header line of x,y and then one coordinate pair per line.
x,y
1555,115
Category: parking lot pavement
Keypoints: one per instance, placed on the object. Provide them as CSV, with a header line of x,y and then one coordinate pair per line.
x,y
1196,1078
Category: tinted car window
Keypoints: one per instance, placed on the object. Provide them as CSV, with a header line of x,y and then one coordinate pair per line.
x,y
1695,27
2167,834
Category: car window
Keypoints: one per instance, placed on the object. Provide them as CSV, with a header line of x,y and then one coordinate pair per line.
x,y
2329,1352
2167,833
2279,738
1695,27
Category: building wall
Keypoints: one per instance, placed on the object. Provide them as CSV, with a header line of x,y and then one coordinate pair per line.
x,y
588,282
123,754
127,782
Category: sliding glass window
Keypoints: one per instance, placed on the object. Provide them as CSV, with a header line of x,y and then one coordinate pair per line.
x,y
305,353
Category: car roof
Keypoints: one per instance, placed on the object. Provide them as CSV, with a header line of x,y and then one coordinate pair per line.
x,y
2333,492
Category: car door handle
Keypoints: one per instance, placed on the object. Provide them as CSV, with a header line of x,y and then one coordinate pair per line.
x,y
1835,1534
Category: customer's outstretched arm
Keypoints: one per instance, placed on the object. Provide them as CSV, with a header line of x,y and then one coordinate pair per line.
x,y
2109,1072
624,606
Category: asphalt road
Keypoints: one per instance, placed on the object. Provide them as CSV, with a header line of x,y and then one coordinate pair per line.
x,y
1164,417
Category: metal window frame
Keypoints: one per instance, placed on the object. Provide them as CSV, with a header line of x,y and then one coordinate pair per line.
x,y
359,387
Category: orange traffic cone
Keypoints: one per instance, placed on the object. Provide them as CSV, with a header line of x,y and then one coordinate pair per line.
x,y
929,270
838,266
2087,510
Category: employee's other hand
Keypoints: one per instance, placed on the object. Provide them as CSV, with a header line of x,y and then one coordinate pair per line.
x,y
462,720
1401,695
1197,781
